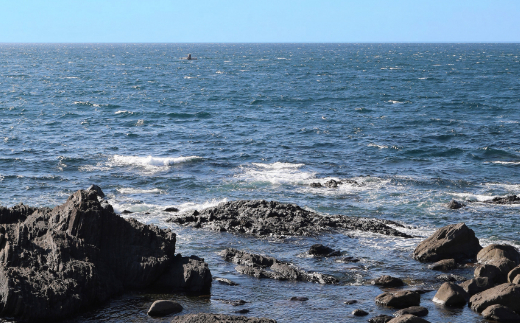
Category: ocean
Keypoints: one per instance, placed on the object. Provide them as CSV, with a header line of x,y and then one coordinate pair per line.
x,y
414,125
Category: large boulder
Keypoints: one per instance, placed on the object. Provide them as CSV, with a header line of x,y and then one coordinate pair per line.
x,y
503,257
218,318
451,294
55,263
505,294
454,241
476,285
401,299
500,313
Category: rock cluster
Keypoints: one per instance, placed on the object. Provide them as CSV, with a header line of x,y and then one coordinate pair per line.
x,y
218,318
55,263
268,267
262,218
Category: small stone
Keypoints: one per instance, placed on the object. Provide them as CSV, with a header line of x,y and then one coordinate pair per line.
x,y
242,311
320,250
445,264
350,302
450,278
299,299
408,318
164,307
171,209
316,185
454,205
359,312
226,281
126,212
414,310
388,281
380,319
347,259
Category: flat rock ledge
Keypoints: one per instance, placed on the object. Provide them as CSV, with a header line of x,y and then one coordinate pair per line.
x,y
263,218
268,267
218,318
57,263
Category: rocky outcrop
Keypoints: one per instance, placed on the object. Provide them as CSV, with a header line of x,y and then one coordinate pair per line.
x,y
388,281
218,318
454,241
451,294
55,263
503,257
262,218
510,199
268,267
505,294
17,213
454,205
401,299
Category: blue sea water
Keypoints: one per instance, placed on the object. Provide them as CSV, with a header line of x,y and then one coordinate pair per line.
x,y
417,125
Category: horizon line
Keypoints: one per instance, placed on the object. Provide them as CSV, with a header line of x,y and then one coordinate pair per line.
x,y
360,42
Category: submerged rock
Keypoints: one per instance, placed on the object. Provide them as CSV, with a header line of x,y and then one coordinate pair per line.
x,y
218,318
414,310
320,250
58,262
388,281
408,318
359,312
454,205
225,281
454,241
164,307
445,264
380,319
510,199
268,267
262,218
401,299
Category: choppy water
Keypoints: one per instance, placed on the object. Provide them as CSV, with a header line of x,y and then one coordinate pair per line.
x,y
417,125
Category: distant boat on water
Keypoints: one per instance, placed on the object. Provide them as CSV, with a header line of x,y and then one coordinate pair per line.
x,y
189,58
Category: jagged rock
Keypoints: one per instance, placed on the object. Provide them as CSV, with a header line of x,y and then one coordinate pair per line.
x,y
225,281
262,218
320,250
388,281
450,294
55,263
505,294
510,199
269,267
450,278
171,209
164,307
359,312
380,319
316,185
14,214
445,264
401,299
454,241
332,183
500,313
513,274
218,318
97,189
408,318
414,310
454,205
476,285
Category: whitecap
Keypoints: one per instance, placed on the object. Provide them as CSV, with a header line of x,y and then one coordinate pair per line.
x,y
123,111
275,173
378,146
394,102
129,190
150,161
219,72
505,162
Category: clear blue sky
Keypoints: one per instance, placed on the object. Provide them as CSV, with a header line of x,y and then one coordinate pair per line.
x,y
259,21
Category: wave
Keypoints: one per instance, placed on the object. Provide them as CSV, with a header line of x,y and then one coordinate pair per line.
x,y
150,161
505,162
128,190
378,146
275,173
123,111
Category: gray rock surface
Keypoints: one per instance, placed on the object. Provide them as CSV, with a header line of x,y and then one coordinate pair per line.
x,y
262,218
500,313
454,205
510,199
476,285
225,281
268,267
380,319
218,318
414,310
388,281
451,294
454,241
401,299
513,273
505,294
408,318
56,263
503,257
445,264
164,307
491,272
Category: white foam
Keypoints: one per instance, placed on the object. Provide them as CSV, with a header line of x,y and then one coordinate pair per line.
x,y
275,173
394,102
378,146
150,161
190,206
471,196
129,190
219,72
505,162
123,111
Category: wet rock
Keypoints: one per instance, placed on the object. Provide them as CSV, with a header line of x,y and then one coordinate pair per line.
x,y
299,299
505,294
500,313
80,254
320,250
408,318
423,290
225,281
513,274
126,212
388,281
242,311
239,302
476,285
454,205
503,257
510,199
450,294
450,278
97,190
316,185
218,318
347,259
262,218
332,183
268,267
401,299
171,209
445,264
350,302
190,274
414,310
454,241
380,319
359,312
164,307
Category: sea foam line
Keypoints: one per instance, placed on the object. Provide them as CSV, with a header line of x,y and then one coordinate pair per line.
x,y
151,161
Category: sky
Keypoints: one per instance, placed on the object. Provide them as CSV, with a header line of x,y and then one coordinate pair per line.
x,y
260,21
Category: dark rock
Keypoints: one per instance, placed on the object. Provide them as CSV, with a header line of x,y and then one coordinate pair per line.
x,y
388,281
455,241
347,259
476,285
445,264
262,218
380,319
239,302
359,312
332,183
350,302
316,185
320,250
225,281
218,318
454,205
268,267
504,257
59,262
450,278
510,199
97,190
450,294
401,299
190,274
17,213
500,313
414,310
164,307
513,273
491,272
423,290
242,311
171,209
299,299
408,318
126,212
505,294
